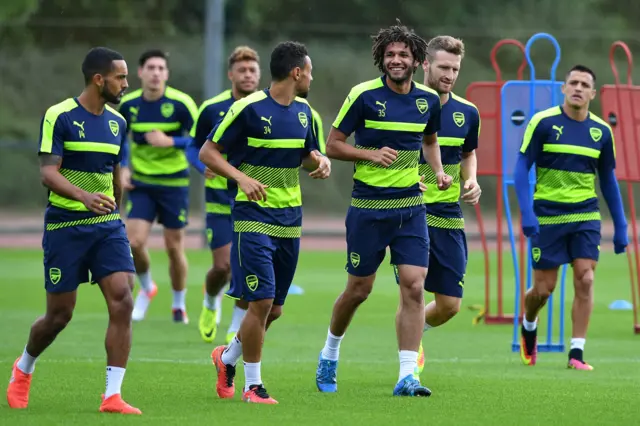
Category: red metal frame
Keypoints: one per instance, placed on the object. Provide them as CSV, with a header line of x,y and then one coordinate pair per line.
x,y
627,143
500,317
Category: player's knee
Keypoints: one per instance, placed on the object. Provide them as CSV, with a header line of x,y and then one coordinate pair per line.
x,y
412,291
276,312
137,244
175,250
222,266
358,291
584,283
261,309
412,286
543,291
449,308
543,287
121,302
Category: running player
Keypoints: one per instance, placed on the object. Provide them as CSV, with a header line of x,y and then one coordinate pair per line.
x,y
267,136
458,139
569,146
244,74
80,151
394,119
160,118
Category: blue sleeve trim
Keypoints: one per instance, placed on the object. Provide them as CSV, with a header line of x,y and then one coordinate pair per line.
x,y
181,142
611,194
193,152
124,155
521,181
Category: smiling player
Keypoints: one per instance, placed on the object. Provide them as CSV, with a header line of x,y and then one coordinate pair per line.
x,y
394,120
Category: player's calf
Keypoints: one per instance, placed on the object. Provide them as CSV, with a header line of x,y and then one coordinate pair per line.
x,y
178,265
583,277
436,313
356,292
46,328
543,286
137,234
43,332
410,317
117,290
442,309
217,277
252,332
253,329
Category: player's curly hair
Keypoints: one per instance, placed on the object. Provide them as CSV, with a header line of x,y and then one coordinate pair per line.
x,y
285,57
398,34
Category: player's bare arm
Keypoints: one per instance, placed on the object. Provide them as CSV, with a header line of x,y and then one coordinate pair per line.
x,y
469,173
159,139
339,149
212,158
431,152
117,185
317,164
125,178
52,178
208,173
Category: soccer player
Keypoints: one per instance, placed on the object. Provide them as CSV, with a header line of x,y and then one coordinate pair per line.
x,y
267,136
80,152
317,127
458,139
160,118
244,74
569,146
393,118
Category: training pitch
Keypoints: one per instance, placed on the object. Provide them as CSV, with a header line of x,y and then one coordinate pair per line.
x,y
474,376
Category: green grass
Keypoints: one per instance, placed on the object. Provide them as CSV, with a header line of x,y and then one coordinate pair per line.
x,y
475,377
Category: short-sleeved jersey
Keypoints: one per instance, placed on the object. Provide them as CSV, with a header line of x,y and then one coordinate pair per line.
x,y
459,133
567,154
174,114
381,117
268,141
211,111
90,147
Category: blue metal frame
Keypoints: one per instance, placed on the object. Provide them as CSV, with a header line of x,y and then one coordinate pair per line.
x,y
550,345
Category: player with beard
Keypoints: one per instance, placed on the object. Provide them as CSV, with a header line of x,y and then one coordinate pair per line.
x,y
244,74
394,120
458,139
267,137
80,152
